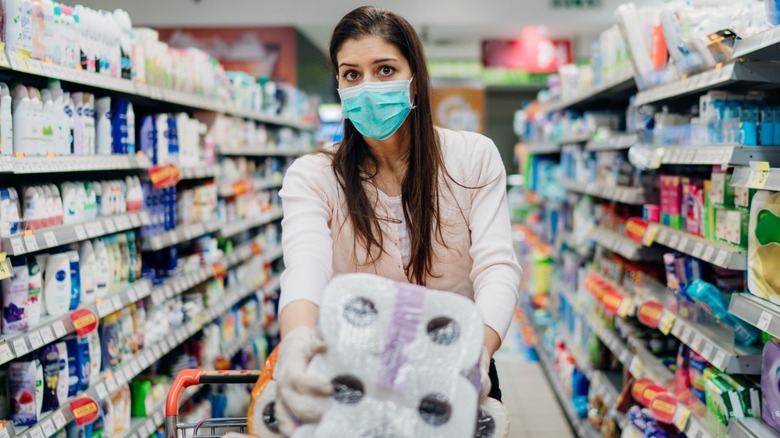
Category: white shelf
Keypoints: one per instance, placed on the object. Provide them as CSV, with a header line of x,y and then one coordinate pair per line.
x,y
727,358
602,386
541,148
182,233
653,157
198,172
729,74
232,229
624,80
613,143
624,195
750,428
50,329
645,365
47,238
611,340
130,88
761,47
756,179
718,253
263,152
622,245
757,312
575,139
72,163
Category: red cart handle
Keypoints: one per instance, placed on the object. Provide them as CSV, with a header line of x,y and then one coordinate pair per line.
x,y
187,378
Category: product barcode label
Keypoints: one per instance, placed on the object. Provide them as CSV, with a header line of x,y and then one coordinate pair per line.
x,y
59,329
109,225
696,344
47,335
117,302
698,250
92,229
36,341
720,360
50,238
101,390
707,351
17,245
136,367
104,307
111,385
59,420
674,240
721,259
20,347
149,358
81,233
708,253
5,353
36,432
31,243
135,221
764,320
132,294
48,428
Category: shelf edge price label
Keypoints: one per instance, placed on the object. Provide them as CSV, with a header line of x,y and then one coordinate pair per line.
x,y
666,323
5,268
85,410
764,320
84,321
681,417
759,174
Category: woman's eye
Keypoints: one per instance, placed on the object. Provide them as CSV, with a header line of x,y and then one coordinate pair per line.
x,y
386,71
350,75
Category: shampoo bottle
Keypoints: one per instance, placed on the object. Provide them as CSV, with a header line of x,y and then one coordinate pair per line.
x,y
102,268
15,298
75,279
57,287
148,138
25,385
104,137
109,341
6,121
88,266
34,292
22,125
162,139
95,357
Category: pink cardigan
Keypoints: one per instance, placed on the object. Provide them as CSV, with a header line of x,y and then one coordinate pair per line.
x,y
479,261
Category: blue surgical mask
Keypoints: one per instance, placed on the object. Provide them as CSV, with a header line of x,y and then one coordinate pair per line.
x,y
377,109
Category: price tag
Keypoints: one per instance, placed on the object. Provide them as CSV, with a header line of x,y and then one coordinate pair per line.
x,y
707,351
698,250
5,353
31,243
720,360
708,253
681,417
122,222
111,384
50,238
81,234
59,420
36,341
759,174
59,329
120,377
636,367
722,257
158,350
104,307
117,302
625,357
132,294
135,221
48,428
157,243
35,432
697,343
101,390
47,335
136,367
17,246
110,226
764,320
20,347
95,229
150,357
674,241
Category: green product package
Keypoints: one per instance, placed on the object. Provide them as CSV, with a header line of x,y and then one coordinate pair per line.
x,y
141,391
742,197
722,191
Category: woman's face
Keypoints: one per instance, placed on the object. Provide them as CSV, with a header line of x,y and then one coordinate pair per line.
x,y
370,59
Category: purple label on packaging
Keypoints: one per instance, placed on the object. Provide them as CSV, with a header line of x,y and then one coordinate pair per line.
x,y
401,333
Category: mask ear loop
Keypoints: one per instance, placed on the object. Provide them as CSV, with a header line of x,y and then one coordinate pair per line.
x,y
412,97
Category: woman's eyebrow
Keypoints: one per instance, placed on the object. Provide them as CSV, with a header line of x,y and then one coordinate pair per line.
x,y
344,64
379,61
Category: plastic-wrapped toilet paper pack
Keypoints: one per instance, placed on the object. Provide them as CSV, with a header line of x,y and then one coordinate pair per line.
x,y
264,422
402,360
492,420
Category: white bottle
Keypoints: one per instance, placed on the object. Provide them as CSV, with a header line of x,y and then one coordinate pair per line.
x,y
69,207
79,127
47,123
131,147
104,140
36,121
6,121
102,274
95,357
48,210
33,208
91,205
22,125
89,124
57,204
49,28
162,139
81,202
57,286
17,19
88,267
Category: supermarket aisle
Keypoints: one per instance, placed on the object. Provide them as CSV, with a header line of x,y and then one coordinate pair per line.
x,y
530,400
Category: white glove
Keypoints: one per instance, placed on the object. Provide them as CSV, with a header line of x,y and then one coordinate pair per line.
x,y
297,392
484,377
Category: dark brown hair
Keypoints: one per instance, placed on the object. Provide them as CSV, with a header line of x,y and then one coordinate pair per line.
x,y
354,164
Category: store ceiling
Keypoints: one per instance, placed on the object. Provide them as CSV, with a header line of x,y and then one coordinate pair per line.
x,y
452,28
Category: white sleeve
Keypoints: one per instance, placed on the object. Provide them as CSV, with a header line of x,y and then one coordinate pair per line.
x,y
307,243
495,273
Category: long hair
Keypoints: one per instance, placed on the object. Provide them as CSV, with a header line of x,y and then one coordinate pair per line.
x,y
354,164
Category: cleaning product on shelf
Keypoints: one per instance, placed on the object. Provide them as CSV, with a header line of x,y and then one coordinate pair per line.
x,y
764,246
34,292
770,385
25,385
715,302
57,292
15,292
110,341
54,361
75,279
78,363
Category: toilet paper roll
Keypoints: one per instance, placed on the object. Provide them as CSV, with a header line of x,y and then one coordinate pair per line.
x,y
430,404
378,323
492,420
263,419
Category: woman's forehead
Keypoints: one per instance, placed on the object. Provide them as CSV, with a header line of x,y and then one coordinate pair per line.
x,y
368,49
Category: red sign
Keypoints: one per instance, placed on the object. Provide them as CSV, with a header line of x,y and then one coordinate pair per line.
x,y
166,175
650,314
242,187
636,228
219,270
84,321
85,410
256,248
532,52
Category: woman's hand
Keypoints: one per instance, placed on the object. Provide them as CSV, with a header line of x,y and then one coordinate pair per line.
x,y
298,394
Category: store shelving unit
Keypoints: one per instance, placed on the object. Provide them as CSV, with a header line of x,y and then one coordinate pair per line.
x,y
53,237
718,253
246,185
749,428
263,152
247,224
725,357
180,234
754,178
613,143
653,157
199,172
623,83
625,195
761,313
764,46
727,75
541,148
620,244
54,164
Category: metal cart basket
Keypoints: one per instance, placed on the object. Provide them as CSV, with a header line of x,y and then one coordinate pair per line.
x,y
211,428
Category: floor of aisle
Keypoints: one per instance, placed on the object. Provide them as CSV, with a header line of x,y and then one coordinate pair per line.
x,y
533,409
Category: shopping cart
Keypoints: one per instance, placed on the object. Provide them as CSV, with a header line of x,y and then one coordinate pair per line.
x,y
211,428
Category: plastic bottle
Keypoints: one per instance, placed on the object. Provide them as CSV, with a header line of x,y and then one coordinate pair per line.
x,y
22,126
102,268
75,279
15,295
104,137
33,208
17,19
57,286
6,121
88,268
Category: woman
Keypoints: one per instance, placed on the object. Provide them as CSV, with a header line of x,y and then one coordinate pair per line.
x,y
397,197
